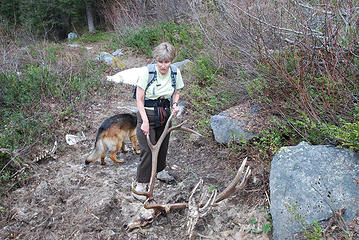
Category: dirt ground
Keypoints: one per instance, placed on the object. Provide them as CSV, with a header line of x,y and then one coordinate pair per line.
x,y
66,199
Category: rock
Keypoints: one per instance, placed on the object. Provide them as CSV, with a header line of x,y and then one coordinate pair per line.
x,y
110,60
72,36
225,129
106,57
117,53
41,189
313,180
235,123
181,64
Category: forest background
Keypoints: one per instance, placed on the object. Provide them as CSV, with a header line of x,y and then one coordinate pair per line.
x,y
297,59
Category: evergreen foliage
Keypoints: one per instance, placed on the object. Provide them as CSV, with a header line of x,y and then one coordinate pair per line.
x,y
49,18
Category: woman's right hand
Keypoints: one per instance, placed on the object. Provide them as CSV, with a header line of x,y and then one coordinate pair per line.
x,y
145,127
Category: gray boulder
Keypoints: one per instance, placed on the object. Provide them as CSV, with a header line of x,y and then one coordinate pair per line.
x,y
313,180
236,123
182,64
226,129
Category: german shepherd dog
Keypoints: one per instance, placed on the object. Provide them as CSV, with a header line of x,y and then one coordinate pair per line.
x,y
111,135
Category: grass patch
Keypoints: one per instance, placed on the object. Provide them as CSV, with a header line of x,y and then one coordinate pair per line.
x,y
94,37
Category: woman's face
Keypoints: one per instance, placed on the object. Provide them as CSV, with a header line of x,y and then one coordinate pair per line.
x,y
163,66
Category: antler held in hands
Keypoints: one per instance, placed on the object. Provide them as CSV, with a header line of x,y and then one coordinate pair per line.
x,y
155,151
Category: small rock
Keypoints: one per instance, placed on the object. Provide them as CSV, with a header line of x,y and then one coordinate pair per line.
x,y
181,64
117,53
71,36
75,45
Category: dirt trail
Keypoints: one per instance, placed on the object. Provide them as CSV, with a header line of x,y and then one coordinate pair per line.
x,y
65,199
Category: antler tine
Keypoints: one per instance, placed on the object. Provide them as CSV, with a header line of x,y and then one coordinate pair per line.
x,y
165,207
232,187
179,127
195,189
147,194
209,204
211,199
245,179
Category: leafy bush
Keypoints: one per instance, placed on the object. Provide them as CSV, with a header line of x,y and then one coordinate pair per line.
x,y
28,98
209,92
38,99
267,142
183,37
143,40
205,71
347,134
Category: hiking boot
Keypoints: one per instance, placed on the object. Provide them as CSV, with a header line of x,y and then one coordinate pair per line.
x,y
140,188
164,176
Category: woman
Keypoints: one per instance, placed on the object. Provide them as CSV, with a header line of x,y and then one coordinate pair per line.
x,y
154,103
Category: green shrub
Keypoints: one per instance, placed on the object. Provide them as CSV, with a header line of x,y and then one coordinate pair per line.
x,y
143,40
26,90
185,38
312,99
209,92
94,37
347,134
22,129
205,71
268,141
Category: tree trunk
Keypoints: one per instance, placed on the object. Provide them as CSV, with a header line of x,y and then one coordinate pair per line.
x,y
89,17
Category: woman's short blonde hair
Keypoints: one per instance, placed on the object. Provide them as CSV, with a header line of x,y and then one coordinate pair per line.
x,y
164,52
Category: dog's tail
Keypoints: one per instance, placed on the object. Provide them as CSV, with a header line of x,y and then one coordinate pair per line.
x,y
98,149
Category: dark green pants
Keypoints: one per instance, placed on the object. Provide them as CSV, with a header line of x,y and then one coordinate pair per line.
x,y
145,166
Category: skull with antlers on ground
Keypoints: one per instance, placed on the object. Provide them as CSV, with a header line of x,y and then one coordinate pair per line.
x,y
199,203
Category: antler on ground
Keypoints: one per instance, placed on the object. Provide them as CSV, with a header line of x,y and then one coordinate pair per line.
x,y
232,187
165,207
196,208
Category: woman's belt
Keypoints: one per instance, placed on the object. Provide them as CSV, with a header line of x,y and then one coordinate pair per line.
x,y
162,109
